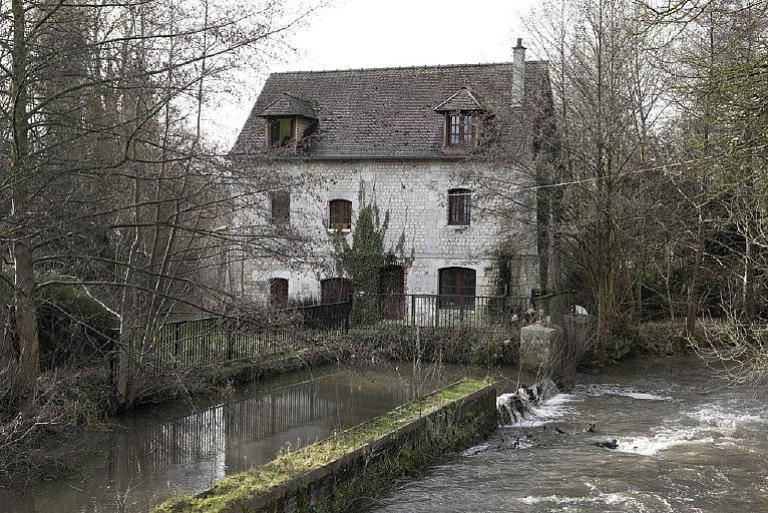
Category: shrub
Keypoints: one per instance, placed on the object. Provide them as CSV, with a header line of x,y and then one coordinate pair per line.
x,y
74,329
461,344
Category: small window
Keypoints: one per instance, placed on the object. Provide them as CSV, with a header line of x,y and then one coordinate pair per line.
x,y
457,287
278,292
281,207
335,290
340,214
459,129
281,132
459,207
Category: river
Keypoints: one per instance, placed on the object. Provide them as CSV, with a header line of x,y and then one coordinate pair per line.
x,y
686,444
177,447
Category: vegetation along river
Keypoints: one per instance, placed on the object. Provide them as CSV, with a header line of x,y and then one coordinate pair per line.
x,y
686,444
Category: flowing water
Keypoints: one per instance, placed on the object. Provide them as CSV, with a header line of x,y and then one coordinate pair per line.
x,y
168,449
685,444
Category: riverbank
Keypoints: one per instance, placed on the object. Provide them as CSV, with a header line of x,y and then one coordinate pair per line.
x,y
76,403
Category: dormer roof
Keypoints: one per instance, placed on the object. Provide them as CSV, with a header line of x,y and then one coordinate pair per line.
x,y
289,105
463,99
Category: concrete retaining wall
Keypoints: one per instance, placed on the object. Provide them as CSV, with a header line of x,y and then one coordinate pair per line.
x,y
371,468
452,427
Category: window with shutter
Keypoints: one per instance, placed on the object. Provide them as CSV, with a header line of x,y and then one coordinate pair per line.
x,y
278,292
340,214
281,207
335,290
459,207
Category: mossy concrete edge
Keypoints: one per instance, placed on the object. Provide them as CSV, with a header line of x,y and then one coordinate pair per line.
x,y
450,426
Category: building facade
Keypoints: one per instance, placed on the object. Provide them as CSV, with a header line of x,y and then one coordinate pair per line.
x,y
449,152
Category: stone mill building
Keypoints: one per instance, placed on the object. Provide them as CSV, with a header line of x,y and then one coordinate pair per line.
x,y
450,151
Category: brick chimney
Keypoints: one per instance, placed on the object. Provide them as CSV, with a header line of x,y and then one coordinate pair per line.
x,y
518,73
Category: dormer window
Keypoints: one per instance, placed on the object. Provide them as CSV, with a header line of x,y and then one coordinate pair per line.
x,y
289,119
462,113
460,130
281,132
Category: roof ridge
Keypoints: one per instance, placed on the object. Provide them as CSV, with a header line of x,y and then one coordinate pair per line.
x,y
423,66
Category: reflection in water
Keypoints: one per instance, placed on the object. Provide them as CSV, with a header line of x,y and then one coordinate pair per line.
x,y
156,454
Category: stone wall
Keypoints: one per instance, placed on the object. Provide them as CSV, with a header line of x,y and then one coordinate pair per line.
x,y
416,195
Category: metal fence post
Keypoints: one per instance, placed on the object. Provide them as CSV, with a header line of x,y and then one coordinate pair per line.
x,y
176,337
347,311
413,310
230,339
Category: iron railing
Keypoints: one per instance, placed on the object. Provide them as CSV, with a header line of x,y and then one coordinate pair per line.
x,y
441,311
211,341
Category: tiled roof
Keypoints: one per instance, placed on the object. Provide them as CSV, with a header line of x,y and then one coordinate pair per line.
x,y
390,112
464,99
289,105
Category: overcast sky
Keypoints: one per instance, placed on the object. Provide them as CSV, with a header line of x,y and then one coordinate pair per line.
x,y
372,33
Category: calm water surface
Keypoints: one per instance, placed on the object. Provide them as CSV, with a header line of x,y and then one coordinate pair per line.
x,y
170,448
686,444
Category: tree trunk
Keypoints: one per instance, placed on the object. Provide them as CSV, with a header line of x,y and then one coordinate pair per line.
x,y
24,279
692,301
26,324
748,295
601,339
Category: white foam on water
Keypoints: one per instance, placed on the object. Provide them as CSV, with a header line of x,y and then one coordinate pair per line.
x,y
713,420
615,390
718,416
637,504
476,450
646,397
547,412
609,499
662,440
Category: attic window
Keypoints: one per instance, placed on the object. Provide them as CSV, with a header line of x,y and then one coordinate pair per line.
x,y
281,132
460,129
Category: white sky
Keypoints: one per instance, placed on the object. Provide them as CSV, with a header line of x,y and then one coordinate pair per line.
x,y
373,33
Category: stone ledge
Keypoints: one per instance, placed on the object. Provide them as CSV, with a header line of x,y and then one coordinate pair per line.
x,y
329,472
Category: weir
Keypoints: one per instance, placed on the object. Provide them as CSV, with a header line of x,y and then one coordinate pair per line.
x,y
334,473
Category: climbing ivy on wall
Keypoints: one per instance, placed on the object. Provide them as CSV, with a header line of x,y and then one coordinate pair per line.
x,y
362,259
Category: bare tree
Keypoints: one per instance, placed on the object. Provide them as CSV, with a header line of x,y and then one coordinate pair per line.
x,y
607,98
111,183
